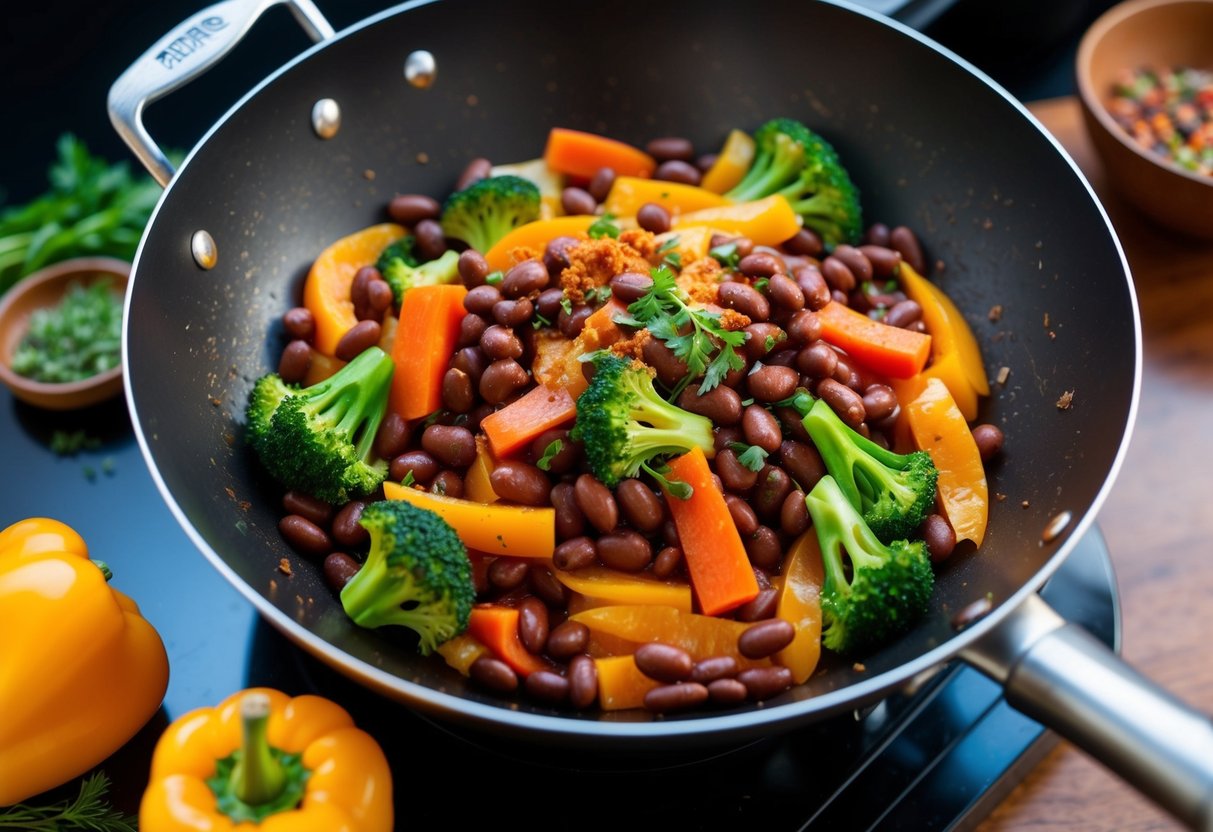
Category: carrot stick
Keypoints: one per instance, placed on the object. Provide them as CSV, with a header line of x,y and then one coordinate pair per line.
x,y
885,349
721,574
523,419
576,153
497,629
425,339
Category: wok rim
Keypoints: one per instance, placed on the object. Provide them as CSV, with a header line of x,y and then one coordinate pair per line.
x,y
572,725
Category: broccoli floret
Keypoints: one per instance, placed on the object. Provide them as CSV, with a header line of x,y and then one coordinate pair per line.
x,y
404,250
889,587
320,439
625,425
401,276
417,575
894,492
793,161
483,213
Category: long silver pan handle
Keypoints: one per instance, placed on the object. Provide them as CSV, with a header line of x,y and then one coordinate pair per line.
x,y
1060,675
181,56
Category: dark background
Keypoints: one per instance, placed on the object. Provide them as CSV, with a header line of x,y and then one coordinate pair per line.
x,y
58,59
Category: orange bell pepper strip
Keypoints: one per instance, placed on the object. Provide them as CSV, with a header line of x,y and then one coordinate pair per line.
x,y
523,419
703,636
610,586
731,164
628,193
518,531
715,557
477,486
558,362
888,350
277,763
533,237
425,339
768,221
326,292
800,605
940,429
497,629
621,685
577,153
460,651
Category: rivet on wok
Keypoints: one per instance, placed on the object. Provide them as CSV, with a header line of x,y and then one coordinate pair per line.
x,y
326,118
202,246
420,69
973,613
1056,526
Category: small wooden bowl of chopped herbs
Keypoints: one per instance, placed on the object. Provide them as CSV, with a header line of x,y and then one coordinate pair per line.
x,y
1145,77
61,333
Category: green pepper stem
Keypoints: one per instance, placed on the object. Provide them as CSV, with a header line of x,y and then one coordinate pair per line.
x,y
257,777
105,569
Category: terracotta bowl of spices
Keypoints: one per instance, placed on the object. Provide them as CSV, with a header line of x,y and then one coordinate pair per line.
x,y
1150,38
46,290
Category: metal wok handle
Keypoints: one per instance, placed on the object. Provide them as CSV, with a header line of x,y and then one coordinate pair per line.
x,y
1057,673
181,56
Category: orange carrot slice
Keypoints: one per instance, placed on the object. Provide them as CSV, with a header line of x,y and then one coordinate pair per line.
x,y
523,419
889,350
577,153
425,339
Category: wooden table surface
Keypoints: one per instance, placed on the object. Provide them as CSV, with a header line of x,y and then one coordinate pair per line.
x,y
1158,521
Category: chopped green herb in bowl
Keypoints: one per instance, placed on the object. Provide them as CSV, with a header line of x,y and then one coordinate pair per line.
x,y
78,339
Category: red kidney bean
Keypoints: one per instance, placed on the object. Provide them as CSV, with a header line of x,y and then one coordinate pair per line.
x,y
763,606
457,393
766,638
743,516
855,260
670,369
761,338
760,264
358,293
814,286
784,357
791,422
300,323
570,522
502,379
663,662
625,550
879,401
804,327
845,374
840,297
706,161
837,274
596,502
653,218
765,682
409,209
577,201
570,325
507,573
629,287
304,536
939,537
513,312
906,243
679,697
794,514
567,640
471,328
726,692
843,400
903,314
450,445
431,243
493,674
481,299
575,553
543,582
744,244
722,438
556,256
379,299
772,383
601,183
877,234
423,466
642,509
533,624
339,570
764,549
665,148
805,242
295,362
669,533
712,668
785,293
473,268
771,490
547,686
989,439
667,562
761,428
346,529
745,299
448,484
676,170
884,260
548,303
308,507
583,681
472,361
817,360
563,460
477,169
520,482
524,278
721,404
500,342
733,475
359,337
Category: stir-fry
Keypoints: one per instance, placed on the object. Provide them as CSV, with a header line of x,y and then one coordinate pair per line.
x,y
631,428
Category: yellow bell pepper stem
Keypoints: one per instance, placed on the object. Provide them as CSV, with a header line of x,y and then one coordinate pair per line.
x,y
106,572
258,777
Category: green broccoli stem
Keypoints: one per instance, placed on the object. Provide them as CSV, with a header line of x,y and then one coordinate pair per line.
x,y
258,777
840,527
853,460
344,400
373,596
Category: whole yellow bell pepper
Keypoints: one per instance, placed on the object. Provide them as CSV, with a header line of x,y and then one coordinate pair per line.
x,y
262,760
80,670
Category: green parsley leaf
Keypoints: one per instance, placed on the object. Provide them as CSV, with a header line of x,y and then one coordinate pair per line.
x,y
760,285
604,226
494,278
566,305
409,480
549,453
750,456
673,260
668,246
726,255
539,321
678,488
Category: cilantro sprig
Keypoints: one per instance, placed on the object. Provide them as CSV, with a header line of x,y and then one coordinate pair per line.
x,y
750,456
695,336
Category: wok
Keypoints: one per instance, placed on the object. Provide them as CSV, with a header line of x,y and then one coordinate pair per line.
x,y
931,143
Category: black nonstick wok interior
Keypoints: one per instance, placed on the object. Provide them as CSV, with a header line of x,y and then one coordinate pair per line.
x,y
930,145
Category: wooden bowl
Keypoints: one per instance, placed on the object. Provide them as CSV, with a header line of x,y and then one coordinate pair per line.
x,y
46,288
1145,33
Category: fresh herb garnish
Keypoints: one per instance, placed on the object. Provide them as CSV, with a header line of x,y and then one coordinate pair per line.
x,y
604,226
597,294
705,346
673,260
65,443
681,490
549,453
770,341
668,246
726,255
78,339
540,321
409,480
87,810
750,456
494,278
760,285
566,305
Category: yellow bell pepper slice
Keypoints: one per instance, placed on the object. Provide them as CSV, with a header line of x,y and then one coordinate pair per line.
x,y
535,236
628,193
621,685
477,485
518,531
768,221
610,586
940,429
800,605
692,243
460,651
731,165
703,636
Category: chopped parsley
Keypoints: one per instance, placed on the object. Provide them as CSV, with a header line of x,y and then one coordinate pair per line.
x,y
604,226
750,456
494,278
726,255
549,453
